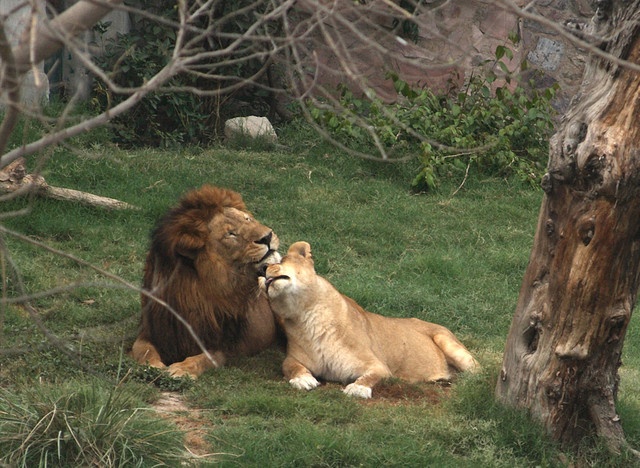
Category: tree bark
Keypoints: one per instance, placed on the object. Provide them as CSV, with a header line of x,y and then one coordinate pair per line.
x,y
564,347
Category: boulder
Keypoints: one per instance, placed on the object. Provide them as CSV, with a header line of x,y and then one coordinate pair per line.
x,y
250,127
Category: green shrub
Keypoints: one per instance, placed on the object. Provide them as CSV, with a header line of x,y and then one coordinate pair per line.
x,y
177,118
501,130
161,119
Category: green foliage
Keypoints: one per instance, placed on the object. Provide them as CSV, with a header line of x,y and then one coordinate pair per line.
x,y
175,118
498,129
161,119
79,424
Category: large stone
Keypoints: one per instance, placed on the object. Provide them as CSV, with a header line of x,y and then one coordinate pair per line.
x,y
250,127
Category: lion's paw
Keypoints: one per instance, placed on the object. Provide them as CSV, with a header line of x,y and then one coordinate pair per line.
x,y
178,371
357,390
304,382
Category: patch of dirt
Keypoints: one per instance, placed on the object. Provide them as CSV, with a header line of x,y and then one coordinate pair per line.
x,y
189,420
403,393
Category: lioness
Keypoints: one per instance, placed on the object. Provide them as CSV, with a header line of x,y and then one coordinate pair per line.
x,y
330,336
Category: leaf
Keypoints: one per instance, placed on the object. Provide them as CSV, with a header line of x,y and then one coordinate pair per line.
x,y
503,67
509,53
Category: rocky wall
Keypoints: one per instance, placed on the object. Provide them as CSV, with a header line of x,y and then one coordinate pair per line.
x,y
357,43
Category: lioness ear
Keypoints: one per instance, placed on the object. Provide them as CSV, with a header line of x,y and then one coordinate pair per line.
x,y
301,248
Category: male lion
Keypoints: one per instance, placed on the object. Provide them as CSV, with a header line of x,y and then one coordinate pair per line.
x,y
205,257
329,336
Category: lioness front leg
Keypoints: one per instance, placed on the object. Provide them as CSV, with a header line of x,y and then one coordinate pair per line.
x,y
361,388
195,366
298,375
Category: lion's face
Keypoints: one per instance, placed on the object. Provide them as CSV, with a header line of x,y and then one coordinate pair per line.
x,y
238,238
293,275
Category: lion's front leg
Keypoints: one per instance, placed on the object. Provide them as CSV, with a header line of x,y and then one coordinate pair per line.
x,y
145,353
195,366
298,375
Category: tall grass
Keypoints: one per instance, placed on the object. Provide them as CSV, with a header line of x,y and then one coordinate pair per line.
x,y
83,424
457,261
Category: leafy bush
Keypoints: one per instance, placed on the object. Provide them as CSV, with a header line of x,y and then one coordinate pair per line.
x,y
169,119
497,129
161,119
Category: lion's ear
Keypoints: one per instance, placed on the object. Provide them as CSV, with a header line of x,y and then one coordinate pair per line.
x,y
190,240
186,247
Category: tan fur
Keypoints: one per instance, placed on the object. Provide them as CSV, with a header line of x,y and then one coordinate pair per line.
x,y
330,336
202,266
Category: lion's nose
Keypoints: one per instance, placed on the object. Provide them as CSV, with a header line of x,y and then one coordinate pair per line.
x,y
266,240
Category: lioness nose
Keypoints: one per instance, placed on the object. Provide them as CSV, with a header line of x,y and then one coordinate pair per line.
x,y
266,240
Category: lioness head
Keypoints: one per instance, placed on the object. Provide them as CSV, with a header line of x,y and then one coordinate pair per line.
x,y
293,274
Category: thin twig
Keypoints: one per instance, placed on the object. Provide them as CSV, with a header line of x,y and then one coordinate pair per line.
x,y
466,174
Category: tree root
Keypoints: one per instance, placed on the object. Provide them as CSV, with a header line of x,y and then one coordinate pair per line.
x,y
608,427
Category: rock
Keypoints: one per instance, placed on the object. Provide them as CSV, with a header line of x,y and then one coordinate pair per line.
x,y
250,127
548,54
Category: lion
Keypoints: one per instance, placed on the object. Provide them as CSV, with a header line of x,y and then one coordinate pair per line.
x,y
329,336
200,278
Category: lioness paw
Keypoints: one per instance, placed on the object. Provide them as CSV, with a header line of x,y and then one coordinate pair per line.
x,y
357,390
304,382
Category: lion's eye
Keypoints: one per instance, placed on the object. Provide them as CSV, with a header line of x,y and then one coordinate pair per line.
x,y
231,234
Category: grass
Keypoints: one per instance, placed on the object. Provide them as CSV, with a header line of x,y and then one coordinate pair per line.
x,y
80,424
455,261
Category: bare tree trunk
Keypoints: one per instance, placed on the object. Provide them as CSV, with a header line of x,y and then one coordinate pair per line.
x,y
564,348
43,41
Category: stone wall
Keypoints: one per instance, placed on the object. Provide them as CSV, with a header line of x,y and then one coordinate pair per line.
x,y
69,77
452,39
64,72
554,57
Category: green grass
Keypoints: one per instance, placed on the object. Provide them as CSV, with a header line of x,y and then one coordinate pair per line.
x,y
455,261
81,424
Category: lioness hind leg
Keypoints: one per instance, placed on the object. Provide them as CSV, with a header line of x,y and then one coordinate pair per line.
x,y
145,353
455,353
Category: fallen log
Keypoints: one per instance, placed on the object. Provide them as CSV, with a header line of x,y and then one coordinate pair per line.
x,y
14,179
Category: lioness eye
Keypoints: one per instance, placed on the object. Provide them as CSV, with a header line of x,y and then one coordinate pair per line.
x,y
231,234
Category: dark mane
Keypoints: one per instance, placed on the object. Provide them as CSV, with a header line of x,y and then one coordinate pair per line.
x,y
205,293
